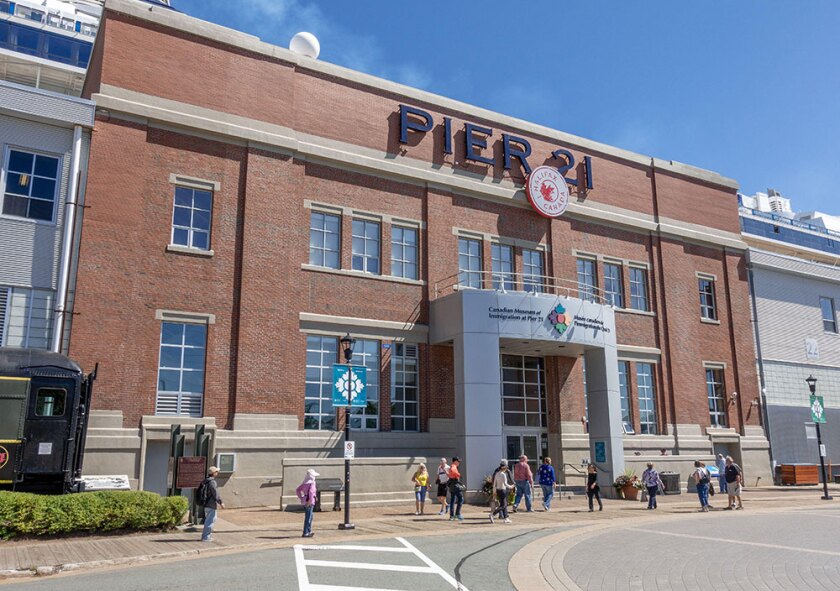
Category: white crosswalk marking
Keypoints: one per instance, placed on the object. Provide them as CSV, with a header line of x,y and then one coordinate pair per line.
x,y
301,562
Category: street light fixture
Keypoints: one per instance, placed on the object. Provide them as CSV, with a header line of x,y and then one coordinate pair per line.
x,y
347,345
812,386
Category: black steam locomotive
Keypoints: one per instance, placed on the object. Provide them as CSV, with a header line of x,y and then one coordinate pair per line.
x,y
44,403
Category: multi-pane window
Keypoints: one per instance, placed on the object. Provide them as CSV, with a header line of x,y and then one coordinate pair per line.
x,y
405,392
469,263
587,278
532,270
717,397
318,411
829,317
501,258
324,240
624,396
404,252
523,391
613,288
638,289
647,398
180,388
31,185
708,310
366,418
191,218
366,246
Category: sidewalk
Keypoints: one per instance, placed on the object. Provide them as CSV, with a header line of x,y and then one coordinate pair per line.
x,y
265,527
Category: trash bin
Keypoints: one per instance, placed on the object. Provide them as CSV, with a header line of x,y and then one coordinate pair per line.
x,y
671,480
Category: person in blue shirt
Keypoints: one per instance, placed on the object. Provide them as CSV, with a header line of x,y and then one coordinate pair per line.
x,y
548,480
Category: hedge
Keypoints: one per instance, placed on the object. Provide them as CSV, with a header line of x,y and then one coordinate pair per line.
x,y
37,515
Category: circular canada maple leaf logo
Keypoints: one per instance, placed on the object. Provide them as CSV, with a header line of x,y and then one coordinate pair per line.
x,y
547,191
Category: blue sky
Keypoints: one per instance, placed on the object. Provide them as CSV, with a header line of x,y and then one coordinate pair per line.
x,y
750,89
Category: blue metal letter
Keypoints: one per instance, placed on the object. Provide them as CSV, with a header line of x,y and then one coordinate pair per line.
x,y
522,154
406,123
476,142
447,135
570,162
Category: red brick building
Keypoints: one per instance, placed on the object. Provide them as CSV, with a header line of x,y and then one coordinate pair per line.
x,y
248,206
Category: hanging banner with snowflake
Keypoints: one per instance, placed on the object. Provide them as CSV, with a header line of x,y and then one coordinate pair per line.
x,y
349,385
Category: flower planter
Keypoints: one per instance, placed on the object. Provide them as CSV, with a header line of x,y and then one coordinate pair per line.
x,y
631,493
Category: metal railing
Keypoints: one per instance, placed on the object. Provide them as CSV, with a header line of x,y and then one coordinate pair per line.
x,y
503,282
794,223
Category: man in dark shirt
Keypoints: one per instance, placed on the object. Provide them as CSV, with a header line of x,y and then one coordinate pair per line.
x,y
213,503
734,479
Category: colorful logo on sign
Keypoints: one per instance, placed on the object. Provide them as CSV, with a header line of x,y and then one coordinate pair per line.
x,y
4,456
547,191
560,319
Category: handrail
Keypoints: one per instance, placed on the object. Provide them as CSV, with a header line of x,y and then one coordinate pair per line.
x,y
505,282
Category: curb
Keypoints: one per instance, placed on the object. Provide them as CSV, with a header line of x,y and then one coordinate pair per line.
x,y
45,571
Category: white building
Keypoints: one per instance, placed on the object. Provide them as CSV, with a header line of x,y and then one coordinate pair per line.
x,y
45,46
794,268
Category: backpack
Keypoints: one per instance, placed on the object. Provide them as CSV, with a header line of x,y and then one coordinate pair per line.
x,y
704,478
204,492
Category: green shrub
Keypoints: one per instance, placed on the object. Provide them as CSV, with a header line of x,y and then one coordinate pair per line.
x,y
37,515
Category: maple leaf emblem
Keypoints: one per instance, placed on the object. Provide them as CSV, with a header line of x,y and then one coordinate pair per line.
x,y
546,191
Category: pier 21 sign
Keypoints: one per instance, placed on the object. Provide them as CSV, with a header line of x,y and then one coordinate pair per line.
x,y
417,120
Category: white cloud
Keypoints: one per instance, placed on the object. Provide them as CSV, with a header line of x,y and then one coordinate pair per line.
x,y
276,21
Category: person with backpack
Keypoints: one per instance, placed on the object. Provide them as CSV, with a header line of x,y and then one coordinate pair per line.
x,y
208,497
701,481
456,490
548,480
307,492
502,485
653,483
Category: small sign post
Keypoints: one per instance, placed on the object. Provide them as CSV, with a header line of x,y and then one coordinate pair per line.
x,y
349,390
817,406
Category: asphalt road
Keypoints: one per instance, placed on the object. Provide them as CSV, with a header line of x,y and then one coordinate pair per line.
x,y
478,560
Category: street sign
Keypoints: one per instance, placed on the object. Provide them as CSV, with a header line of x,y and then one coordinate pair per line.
x,y
822,450
817,409
349,450
600,452
349,385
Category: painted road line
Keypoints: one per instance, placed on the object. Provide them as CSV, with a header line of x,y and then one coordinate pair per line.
x,y
371,566
362,548
446,576
303,575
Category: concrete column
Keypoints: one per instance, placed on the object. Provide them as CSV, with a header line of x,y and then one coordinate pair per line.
x,y
478,415
606,444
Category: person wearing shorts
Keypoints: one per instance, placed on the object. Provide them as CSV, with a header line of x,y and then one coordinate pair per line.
x,y
734,480
442,488
421,486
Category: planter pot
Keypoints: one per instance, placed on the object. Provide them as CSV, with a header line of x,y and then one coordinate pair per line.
x,y
630,493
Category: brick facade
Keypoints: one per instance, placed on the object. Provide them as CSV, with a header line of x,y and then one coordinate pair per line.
x,y
257,282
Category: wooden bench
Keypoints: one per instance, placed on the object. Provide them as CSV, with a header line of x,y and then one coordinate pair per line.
x,y
334,485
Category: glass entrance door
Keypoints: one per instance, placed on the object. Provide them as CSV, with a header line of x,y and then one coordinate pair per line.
x,y
528,444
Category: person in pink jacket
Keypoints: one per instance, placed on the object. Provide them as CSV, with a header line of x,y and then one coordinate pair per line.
x,y
307,493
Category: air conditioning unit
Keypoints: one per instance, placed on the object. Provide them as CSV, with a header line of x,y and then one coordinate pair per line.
x,y
226,462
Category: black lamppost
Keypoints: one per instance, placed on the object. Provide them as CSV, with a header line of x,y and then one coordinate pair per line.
x,y
812,385
347,344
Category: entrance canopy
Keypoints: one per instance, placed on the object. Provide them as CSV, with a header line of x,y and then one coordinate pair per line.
x,y
481,324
